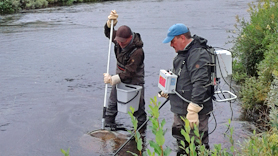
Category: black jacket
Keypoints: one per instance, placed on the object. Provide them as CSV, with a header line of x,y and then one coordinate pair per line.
x,y
130,60
193,76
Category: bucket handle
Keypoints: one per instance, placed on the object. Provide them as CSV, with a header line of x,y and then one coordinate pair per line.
x,y
130,86
130,99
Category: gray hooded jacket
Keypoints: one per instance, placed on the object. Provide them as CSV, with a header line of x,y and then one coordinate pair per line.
x,y
193,76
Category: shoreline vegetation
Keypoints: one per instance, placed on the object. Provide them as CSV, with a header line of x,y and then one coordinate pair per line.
x,y
21,6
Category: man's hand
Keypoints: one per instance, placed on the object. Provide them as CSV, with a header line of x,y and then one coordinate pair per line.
x,y
107,78
115,79
162,94
192,114
113,16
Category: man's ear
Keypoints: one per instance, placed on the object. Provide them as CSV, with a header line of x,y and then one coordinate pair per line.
x,y
183,38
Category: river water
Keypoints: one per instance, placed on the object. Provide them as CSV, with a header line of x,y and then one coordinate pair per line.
x,y
52,61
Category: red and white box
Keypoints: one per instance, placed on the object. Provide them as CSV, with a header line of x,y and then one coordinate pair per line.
x,y
167,81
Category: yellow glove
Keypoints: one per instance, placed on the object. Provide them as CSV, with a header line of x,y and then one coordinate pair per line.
x,y
162,94
107,78
192,114
113,16
115,79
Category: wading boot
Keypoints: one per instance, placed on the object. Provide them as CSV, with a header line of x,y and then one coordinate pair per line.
x,y
141,119
110,123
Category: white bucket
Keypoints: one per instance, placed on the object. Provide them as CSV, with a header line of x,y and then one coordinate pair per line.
x,y
128,95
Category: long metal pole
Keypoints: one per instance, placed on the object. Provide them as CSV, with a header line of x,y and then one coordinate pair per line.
x,y
107,71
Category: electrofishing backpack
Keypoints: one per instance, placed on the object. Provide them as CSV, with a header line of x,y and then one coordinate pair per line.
x,y
214,80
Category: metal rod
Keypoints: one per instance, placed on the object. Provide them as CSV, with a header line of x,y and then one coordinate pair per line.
x,y
107,71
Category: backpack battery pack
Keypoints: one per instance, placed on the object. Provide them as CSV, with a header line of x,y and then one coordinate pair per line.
x,y
167,81
224,63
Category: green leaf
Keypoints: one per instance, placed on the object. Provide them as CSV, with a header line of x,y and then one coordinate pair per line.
x,y
155,98
183,119
159,137
139,144
129,113
145,154
149,152
186,135
152,101
132,109
163,122
164,132
187,127
167,151
232,149
63,151
187,150
155,147
155,113
182,143
196,131
192,147
66,153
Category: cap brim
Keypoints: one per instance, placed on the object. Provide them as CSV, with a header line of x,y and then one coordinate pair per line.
x,y
120,39
168,39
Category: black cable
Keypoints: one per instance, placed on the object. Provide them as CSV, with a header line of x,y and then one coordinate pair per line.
x,y
215,123
231,111
230,86
216,57
222,73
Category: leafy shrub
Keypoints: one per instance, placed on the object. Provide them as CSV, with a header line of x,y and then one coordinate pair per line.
x,y
255,52
252,40
272,101
13,6
157,130
195,142
239,73
270,62
253,93
9,6
265,144
34,4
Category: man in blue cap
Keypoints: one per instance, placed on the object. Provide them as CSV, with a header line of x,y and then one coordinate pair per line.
x,y
193,91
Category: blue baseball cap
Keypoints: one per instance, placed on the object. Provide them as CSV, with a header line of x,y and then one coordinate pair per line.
x,y
175,30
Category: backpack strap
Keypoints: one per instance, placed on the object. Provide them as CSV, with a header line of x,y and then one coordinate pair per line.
x,y
184,63
212,71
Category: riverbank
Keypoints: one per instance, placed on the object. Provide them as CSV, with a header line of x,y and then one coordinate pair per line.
x,y
19,6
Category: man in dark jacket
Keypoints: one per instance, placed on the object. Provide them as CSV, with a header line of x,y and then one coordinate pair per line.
x,y
193,98
130,68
